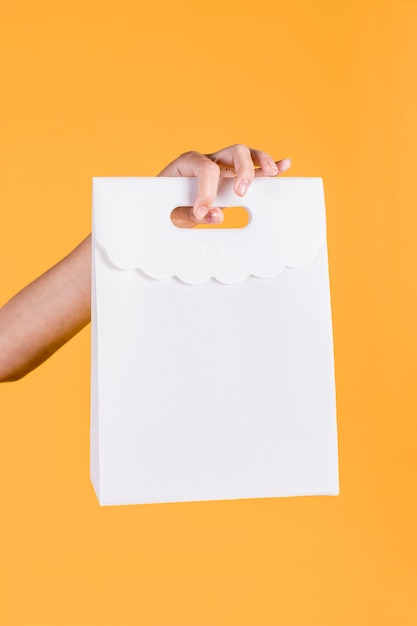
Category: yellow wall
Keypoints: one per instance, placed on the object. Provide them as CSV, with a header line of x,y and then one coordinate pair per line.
x,y
120,87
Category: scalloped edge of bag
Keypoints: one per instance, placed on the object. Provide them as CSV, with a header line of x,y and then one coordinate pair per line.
x,y
219,278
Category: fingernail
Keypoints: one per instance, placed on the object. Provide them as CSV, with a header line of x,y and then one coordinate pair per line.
x,y
213,217
272,165
243,187
200,212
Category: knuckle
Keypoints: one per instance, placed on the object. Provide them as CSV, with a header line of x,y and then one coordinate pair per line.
x,y
211,167
241,148
190,154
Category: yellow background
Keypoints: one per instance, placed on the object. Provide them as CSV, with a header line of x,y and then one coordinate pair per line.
x,y
121,87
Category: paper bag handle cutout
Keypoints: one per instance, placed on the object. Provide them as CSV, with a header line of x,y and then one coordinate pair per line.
x,y
234,217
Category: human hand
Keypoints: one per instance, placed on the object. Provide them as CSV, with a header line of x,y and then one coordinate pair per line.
x,y
236,161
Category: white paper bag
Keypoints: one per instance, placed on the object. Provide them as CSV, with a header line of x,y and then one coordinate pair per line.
x,y
212,352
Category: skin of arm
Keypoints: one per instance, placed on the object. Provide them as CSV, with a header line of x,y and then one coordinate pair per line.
x,y
56,306
45,314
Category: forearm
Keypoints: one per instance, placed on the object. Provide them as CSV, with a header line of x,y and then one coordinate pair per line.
x,y
45,314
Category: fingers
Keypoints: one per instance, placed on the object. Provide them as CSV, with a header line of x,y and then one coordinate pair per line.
x,y
243,166
278,167
240,161
237,161
183,217
208,174
283,165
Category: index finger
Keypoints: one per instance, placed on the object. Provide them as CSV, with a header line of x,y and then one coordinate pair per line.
x,y
208,173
